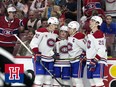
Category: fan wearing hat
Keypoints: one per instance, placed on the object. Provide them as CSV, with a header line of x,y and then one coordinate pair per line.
x,y
96,53
9,25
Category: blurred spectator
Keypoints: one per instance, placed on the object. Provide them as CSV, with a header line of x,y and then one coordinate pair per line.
x,y
109,28
111,8
38,5
33,22
70,10
22,51
60,2
93,6
9,25
2,8
52,10
44,23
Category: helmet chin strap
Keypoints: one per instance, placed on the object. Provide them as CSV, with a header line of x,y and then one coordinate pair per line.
x,y
73,33
93,28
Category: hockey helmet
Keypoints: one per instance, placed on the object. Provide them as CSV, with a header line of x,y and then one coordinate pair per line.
x,y
53,20
97,19
64,28
74,24
11,9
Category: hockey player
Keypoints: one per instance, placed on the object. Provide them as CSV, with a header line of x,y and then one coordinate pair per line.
x,y
62,64
42,45
96,53
76,48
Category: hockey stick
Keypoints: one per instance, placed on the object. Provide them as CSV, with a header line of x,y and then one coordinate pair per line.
x,y
62,85
23,44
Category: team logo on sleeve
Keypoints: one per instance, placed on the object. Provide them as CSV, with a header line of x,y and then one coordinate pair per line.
x,y
7,32
51,42
64,49
14,73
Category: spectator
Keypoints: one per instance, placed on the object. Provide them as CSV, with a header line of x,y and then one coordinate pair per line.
x,y
9,25
44,23
109,28
33,23
60,2
2,8
23,51
70,10
38,5
95,6
111,8
52,10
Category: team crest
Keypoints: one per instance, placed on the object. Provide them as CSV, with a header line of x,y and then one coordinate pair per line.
x,y
51,42
64,49
7,32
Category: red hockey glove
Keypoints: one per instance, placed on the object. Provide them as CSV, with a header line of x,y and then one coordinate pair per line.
x,y
37,57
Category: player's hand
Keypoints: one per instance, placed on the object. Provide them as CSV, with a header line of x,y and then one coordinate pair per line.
x,y
92,65
83,57
37,57
57,55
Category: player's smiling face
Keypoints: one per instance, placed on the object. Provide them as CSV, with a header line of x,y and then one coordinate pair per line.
x,y
63,34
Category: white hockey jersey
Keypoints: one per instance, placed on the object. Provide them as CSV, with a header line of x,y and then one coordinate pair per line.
x,y
44,41
61,48
76,45
96,46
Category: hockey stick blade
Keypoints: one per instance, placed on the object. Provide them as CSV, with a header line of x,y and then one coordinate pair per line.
x,y
62,85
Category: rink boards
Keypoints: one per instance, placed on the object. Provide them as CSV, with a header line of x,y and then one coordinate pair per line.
x,y
110,70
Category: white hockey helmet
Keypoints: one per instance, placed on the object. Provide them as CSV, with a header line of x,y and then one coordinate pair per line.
x,y
97,19
53,20
11,9
64,28
74,24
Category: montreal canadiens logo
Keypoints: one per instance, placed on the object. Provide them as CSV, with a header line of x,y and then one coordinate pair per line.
x,y
7,33
51,42
69,46
91,5
64,49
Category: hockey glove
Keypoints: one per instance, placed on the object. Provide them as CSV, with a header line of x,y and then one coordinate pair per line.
x,y
83,57
57,56
37,57
92,65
